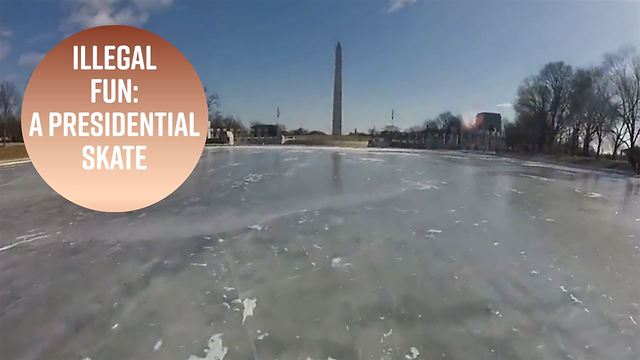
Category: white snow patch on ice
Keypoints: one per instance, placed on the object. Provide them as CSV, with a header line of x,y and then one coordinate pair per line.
x,y
214,351
335,262
421,186
249,305
536,177
338,263
371,159
413,353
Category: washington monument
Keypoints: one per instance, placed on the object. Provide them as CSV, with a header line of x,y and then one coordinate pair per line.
x,y
337,94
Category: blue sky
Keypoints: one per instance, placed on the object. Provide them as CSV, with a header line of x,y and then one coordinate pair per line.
x,y
419,57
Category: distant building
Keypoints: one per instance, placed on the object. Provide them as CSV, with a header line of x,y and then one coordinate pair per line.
x,y
219,135
488,121
266,130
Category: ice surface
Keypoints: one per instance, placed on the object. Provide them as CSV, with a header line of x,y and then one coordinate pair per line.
x,y
329,253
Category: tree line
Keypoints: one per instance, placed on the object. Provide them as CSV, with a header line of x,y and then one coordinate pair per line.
x,y
10,103
445,121
219,120
579,111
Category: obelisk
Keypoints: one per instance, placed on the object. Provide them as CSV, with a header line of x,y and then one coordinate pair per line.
x,y
337,94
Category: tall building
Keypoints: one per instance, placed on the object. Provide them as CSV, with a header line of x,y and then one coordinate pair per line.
x,y
488,121
337,94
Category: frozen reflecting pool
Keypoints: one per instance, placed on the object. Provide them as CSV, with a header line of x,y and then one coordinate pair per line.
x,y
311,253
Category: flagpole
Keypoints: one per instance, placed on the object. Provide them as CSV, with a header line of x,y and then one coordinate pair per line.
x,y
392,116
277,118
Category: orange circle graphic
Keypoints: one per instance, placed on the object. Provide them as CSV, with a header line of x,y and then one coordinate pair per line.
x,y
114,118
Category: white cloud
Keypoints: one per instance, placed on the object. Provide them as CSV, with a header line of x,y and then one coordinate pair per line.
x,y
30,58
90,13
5,42
505,105
395,5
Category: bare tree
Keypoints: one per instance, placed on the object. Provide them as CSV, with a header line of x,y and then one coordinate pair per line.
x,y
229,122
451,124
217,119
546,97
623,69
213,104
431,124
448,121
591,110
580,122
616,136
9,103
391,129
602,130
602,110
416,128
